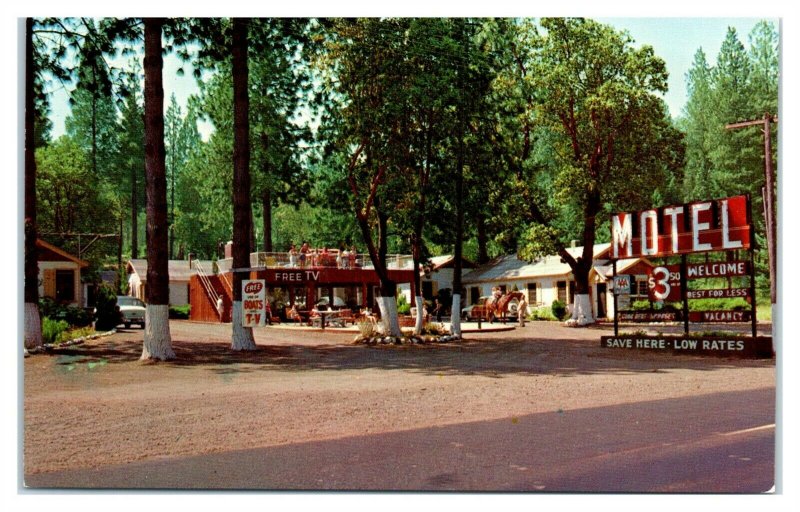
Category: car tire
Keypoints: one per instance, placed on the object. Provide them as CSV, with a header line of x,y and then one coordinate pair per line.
x,y
127,325
142,325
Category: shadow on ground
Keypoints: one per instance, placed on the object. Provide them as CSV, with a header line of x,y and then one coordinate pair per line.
x,y
499,355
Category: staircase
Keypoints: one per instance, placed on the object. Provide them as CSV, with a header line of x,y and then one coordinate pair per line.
x,y
205,289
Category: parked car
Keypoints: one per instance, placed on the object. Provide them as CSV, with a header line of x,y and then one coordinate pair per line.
x,y
132,310
475,311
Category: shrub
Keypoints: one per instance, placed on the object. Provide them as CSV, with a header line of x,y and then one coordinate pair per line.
x,y
559,309
52,329
433,328
403,307
543,313
179,312
108,315
73,315
366,328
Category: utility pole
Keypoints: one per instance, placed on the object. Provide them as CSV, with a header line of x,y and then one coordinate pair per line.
x,y
768,194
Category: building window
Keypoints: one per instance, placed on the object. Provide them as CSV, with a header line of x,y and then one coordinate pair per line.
x,y
532,297
642,285
65,285
561,287
474,295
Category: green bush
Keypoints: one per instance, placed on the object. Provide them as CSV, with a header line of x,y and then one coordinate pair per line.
x,y
718,304
403,307
73,315
179,312
543,313
559,309
52,329
108,315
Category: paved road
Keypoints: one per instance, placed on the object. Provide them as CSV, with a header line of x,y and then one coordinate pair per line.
x,y
717,443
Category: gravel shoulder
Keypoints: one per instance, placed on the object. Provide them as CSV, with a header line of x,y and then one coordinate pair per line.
x,y
96,404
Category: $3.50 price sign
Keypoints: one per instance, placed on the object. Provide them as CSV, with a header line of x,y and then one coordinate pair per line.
x,y
664,283
253,299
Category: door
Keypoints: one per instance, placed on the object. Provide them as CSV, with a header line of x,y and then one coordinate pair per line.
x,y
601,300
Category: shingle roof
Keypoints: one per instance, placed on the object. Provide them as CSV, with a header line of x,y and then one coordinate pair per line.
x,y
507,268
178,269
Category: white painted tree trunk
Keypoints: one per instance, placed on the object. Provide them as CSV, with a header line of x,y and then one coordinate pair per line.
x,y
455,315
242,338
33,327
581,311
157,340
390,325
420,315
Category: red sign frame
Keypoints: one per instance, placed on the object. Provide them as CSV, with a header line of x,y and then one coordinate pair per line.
x,y
702,226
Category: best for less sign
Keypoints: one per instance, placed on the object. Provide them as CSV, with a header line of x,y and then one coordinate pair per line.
x,y
253,298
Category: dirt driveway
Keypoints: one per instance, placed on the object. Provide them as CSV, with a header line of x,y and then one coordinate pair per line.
x,y
96,404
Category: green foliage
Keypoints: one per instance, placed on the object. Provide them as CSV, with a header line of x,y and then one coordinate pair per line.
x,y
403,307
74,316
52,329
108,315
179,312
718,304
542,313
559,309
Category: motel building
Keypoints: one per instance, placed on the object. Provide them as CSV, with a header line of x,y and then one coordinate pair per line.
x,y
548,279
320,282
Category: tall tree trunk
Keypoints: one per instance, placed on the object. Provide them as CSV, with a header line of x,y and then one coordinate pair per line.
x,y
455,314
483,239
120,239
242,337
157,341
33,324
582,313
134,214
266,212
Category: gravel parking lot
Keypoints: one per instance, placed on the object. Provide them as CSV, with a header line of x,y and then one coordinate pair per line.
x,y
96,404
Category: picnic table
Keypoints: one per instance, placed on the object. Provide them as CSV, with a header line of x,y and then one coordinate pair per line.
x,y
325,317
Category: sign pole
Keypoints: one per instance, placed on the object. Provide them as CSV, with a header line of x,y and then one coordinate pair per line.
x,y
616,308
685,294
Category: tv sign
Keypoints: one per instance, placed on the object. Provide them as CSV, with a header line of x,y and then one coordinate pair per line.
x,y
253,299
703,226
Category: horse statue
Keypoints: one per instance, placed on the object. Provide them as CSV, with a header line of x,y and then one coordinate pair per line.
x,y
497,307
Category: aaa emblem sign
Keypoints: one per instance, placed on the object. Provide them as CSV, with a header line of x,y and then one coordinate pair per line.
x,y
253,300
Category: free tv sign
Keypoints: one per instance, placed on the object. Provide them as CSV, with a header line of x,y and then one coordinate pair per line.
x,y
703,226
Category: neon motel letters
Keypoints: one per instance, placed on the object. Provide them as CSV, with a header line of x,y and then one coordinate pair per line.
x,y
718,225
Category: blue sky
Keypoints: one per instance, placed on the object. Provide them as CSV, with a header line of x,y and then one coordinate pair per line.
x,y
674,39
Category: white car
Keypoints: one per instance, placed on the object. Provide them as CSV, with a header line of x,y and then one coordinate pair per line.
x,y
132,310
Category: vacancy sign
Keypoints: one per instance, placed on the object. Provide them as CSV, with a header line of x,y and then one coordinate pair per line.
x,y
719,225
253,299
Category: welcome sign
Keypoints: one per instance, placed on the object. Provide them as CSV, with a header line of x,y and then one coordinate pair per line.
x,y
703,226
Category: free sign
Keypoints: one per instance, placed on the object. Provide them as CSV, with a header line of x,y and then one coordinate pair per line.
x,y
253,300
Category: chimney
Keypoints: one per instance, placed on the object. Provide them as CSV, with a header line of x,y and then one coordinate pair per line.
x,y
191,257
573,244
229,250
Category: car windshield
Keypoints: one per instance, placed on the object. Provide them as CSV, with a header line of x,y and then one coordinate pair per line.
x,y
129,301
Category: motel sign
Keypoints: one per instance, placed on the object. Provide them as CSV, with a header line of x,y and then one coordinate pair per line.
x,y
703,226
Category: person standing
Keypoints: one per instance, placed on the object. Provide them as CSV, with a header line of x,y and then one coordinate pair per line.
x,y
437,310
220,308
522,311
303,254
292,256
